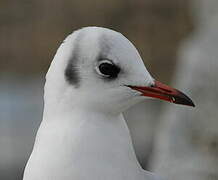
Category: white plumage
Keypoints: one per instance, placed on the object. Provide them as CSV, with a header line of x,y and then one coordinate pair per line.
x,y
83,135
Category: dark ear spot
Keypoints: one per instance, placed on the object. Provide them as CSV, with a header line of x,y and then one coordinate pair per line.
x,y
71,73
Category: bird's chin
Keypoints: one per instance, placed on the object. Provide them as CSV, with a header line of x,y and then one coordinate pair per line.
x,y
131,102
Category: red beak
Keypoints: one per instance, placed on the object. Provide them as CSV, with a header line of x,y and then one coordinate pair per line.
x,y
164,92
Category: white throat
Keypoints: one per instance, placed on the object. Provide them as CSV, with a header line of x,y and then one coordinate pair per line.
x,y
84,145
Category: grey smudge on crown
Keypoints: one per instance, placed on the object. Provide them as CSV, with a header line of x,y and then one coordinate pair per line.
x,y
104,48
71,71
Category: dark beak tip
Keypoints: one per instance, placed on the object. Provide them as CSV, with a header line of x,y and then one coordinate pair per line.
x,y
192,104
184,100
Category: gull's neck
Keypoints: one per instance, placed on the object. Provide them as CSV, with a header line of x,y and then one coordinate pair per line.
x,y
84,145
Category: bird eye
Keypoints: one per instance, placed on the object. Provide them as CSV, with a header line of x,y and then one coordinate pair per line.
x,y
107,69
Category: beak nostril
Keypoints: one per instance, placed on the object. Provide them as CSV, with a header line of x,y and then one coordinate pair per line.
x,y
152,85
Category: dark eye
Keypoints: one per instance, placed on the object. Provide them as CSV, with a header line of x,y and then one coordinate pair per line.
x,y
107,69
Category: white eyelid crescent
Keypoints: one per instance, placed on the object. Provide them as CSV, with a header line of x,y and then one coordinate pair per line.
x,y
97,67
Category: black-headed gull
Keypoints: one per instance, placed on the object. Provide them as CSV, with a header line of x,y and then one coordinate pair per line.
x,y
95,75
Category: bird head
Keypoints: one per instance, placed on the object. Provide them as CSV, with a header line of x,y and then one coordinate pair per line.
x,y
100,69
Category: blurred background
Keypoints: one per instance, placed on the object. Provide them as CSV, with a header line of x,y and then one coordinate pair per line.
x,y
178,41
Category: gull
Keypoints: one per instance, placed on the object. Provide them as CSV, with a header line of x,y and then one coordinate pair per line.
x,y
96,74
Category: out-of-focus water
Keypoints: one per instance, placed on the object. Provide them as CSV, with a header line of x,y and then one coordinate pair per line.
x,y
21,105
